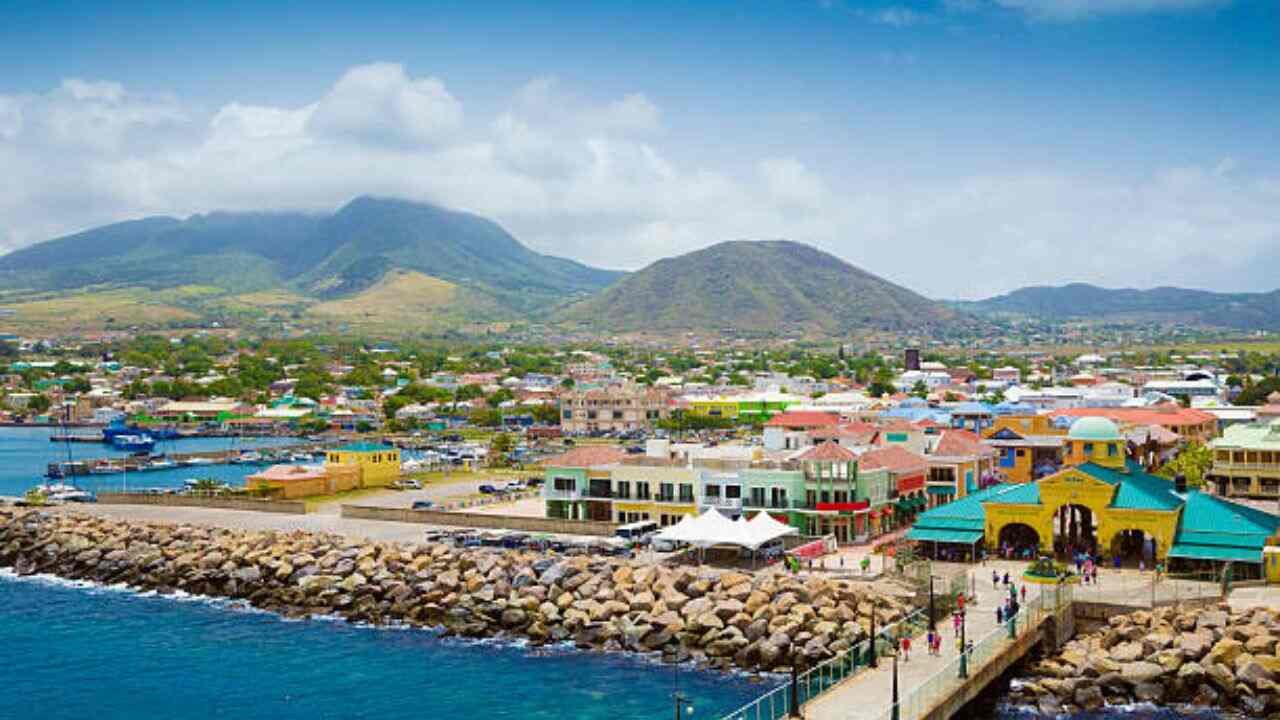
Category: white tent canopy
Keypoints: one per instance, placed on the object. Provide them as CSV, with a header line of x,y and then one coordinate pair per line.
x,y
712,528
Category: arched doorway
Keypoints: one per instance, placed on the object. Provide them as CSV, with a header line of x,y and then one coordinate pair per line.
x,y
1134,547
1075,530
1020,539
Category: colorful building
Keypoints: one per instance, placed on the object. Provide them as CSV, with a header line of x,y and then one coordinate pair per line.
x,y
1107,505
660,493
1190,424
959,464
1246,461
378,465
577,484
1028,447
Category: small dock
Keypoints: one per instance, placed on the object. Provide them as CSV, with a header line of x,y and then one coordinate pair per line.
x,y
170,461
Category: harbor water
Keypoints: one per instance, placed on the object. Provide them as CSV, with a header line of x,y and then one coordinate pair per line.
x,y
73,652
25,454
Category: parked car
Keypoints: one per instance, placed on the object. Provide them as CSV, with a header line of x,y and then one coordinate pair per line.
x,y
409,484
424,504
514,486
488,489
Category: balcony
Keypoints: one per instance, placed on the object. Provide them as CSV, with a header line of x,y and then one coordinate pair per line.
x,y
723,502
596,494
550,493
1224,466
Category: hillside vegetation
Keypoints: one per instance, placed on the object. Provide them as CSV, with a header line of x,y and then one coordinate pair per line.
x,y
761,286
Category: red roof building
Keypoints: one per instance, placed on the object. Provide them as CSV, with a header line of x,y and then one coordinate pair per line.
x,y
1188,423
804,420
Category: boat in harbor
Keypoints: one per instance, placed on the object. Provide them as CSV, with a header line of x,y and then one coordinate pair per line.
x,y
134,443
191,461
161,464
247,458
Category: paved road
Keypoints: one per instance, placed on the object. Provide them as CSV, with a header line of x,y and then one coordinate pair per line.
x,y
867,696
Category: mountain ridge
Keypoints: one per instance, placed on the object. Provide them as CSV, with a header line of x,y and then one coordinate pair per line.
x,y
760,286
1076,301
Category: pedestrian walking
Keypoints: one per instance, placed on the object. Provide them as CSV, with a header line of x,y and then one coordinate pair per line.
x,y
906,648
999,615
995,580
1024,594
928,639
955,624
1006,579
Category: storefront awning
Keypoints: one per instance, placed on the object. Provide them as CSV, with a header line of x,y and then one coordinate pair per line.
x,y
964,537
1220,553
938,490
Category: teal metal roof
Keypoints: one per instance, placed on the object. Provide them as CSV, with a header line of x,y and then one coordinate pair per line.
x,y
1020,494
1139,490
938,490
1215,552
1223,527
364,447
967,537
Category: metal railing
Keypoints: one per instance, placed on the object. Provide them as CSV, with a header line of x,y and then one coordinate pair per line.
x,y
924,696
811,683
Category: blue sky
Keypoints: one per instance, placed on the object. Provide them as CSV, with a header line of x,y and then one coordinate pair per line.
x,y
960,147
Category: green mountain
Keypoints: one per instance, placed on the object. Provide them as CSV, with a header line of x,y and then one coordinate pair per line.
x,y
761,287
1245,311
316,257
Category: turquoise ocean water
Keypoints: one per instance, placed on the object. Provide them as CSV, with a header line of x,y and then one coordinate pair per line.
x,y
25,453
75,653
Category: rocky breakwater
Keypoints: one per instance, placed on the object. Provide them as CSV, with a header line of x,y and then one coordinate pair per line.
x,y
1167,656
762,621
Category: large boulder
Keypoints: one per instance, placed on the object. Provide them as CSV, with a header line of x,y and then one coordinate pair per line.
x,y
1225,651
1140,672
1126,652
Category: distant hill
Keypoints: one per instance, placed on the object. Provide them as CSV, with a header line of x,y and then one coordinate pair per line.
x,y
1246,311
760,286
313,258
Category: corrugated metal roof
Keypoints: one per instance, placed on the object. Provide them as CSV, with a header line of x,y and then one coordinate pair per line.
x,y
1215,552
1139,490
951,536
1024,494
1212,521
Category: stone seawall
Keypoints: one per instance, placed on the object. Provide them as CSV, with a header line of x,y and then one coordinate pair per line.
x,y
481,520
724,619
1203,656
290,507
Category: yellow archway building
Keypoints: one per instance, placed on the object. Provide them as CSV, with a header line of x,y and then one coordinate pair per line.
x,y
1118,494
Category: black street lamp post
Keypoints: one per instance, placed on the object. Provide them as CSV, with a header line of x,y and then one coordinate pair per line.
x,y
964,657
895,685
933,624
871,662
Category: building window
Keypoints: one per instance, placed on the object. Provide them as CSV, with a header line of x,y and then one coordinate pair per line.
x,y
711,491
733,491
642,492
757,497
778,497
686,492
1112,449
1088,449
564,484
624,489
666,492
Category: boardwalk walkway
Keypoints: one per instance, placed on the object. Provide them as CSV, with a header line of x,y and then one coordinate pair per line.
x,y
868,695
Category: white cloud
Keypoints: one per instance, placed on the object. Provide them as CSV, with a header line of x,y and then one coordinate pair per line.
x,y
380,103
1067,10
899,16
593,181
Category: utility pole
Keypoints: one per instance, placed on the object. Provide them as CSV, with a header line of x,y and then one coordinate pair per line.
x,y
964,658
